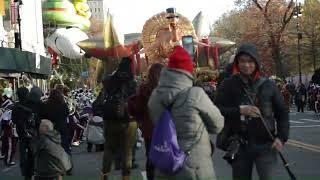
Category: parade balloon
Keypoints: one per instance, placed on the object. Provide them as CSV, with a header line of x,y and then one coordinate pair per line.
x,y
64,42
67,14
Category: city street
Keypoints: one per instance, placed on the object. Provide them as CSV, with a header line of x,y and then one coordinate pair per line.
x,y
65,64
302,151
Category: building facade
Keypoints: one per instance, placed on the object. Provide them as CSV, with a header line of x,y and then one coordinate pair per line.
x,y
98,9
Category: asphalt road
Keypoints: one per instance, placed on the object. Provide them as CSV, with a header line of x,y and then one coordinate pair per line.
x,y
302,152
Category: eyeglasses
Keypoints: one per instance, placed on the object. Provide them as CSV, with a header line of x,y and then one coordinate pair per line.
x,y
171,17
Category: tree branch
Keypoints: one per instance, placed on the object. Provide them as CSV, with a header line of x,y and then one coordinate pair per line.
x,y
267,5
258,5
265,15
286,19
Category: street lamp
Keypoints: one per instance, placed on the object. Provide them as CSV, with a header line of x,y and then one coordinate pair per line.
x,y
297,15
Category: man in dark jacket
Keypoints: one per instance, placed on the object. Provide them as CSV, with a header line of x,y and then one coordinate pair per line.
x,y
119,128
242,99
22,116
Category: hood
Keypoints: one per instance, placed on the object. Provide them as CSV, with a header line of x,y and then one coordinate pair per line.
x,y
53,135
171,82
251,50
175,78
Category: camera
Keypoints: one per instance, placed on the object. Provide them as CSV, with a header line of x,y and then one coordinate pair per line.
x,y
233,149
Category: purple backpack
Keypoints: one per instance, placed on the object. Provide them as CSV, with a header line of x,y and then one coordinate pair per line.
x,y
165,152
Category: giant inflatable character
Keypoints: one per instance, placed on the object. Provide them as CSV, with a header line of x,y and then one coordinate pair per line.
x,y
64,42
66,14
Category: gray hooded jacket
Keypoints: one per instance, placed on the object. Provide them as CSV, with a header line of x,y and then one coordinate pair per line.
x,y
191,110
50,158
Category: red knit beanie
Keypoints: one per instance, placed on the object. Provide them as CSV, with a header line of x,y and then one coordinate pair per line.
x,y
180,59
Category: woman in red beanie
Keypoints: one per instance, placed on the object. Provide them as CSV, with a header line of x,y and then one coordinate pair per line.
x,y
191,109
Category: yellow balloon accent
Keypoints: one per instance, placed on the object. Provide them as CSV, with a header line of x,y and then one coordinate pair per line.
x,y
82,8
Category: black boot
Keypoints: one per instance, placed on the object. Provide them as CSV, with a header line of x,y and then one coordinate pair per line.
x,y
103,176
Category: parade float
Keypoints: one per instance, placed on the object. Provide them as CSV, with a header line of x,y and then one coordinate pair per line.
x,y
64,24
209,52
157,29
66,13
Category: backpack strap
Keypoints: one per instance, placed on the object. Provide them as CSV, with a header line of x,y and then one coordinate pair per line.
x,y
256,88
200,128
188,151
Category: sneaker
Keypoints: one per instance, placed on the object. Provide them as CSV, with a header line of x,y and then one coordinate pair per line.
x,y
138,145
2,156
76,143
11,163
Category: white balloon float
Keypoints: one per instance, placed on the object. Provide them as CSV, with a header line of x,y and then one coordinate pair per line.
x,y
64,42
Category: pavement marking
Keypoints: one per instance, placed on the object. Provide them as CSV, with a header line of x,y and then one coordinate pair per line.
x,y
144,175
310,120
305,126
306,112
8,168
302,145
310,112
298,122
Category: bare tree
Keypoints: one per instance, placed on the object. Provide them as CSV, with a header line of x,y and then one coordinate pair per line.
x,y
275,30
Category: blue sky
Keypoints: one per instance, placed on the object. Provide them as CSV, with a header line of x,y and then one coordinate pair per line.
x,y
130,15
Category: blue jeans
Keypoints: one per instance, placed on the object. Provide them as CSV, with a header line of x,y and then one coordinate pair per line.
x,y
260,155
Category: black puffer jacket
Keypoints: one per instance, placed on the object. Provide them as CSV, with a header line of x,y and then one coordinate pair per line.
x,y
231,95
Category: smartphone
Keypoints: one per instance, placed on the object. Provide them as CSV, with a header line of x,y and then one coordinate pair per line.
x,y
188,45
